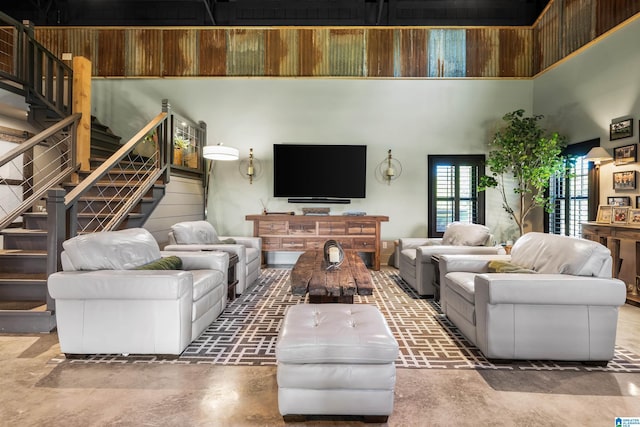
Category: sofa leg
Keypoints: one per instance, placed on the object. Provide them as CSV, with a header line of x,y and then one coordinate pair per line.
x,y
294,418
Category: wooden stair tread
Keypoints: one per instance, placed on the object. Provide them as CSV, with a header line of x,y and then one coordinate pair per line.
x,y
23,231
27,277
22,252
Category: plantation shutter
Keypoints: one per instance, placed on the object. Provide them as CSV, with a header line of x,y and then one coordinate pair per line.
x,y
569,196
454,192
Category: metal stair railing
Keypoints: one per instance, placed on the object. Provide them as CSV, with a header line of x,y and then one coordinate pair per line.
x,y
28,68
32,167
120,182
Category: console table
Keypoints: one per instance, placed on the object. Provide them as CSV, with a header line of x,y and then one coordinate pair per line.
x,y
610,235
309,232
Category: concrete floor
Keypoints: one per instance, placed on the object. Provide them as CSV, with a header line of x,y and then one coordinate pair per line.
x,y
34,392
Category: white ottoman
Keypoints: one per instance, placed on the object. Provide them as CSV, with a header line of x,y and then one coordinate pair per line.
x,y
336,359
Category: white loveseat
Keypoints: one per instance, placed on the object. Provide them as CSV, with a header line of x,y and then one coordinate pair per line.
x,y
415,265
560,303
104,304
202,236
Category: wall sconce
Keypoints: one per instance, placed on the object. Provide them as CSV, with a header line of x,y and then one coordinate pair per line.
x,y
250,168
389,169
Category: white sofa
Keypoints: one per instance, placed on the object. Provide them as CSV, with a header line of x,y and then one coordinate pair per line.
x,y
202,236
104,304
415,254
560,303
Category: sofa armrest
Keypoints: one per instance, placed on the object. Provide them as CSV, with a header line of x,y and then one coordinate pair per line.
x,y
249,242
237,249
120,284
549,289
415,242
424,253
468,263
202,260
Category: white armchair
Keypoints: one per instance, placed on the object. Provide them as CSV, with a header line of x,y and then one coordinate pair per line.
x,y
202,236
106,304
416,267
554,299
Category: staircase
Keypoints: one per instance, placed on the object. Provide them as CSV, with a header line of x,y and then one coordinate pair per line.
x,y
23,261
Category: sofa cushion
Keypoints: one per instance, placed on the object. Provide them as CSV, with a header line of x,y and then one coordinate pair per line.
x,y
164,263
460,295
111,250
458,233
194,232
550,253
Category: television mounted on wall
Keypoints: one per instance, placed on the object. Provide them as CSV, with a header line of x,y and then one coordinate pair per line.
x,y
308,173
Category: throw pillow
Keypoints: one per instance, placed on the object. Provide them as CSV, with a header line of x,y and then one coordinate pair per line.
x,y
497,266
228,241
166,263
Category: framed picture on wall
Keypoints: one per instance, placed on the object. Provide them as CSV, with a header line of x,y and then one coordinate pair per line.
x,y
621,129
625,180
620,214
619,201
604,214
625,154
634,216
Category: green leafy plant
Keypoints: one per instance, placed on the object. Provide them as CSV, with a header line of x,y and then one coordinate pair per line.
x,y
523,150
180,142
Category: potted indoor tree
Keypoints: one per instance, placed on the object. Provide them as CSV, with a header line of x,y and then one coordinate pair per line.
x,y
522,158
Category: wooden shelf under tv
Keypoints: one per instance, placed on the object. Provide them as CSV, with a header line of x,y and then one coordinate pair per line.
x,y
309,232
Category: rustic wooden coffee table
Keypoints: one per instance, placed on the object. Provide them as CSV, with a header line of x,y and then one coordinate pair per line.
x,y
310,274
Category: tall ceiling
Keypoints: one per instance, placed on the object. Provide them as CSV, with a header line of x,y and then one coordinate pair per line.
x,y
275,12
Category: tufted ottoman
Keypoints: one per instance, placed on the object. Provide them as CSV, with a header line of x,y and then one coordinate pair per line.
x,y
336,359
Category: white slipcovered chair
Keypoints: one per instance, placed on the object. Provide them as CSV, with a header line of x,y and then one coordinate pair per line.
x,y
416,267
118,293
202,236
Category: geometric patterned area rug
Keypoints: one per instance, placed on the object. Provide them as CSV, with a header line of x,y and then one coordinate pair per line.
x,y
246,332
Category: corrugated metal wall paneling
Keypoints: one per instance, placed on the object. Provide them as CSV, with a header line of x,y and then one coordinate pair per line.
x,y
548,37
111,55
447,53
379,61
482,52
144,50
319,56
281,53
612,12
515,52
347,52
212,52
410,59
179,52
577,25
245,52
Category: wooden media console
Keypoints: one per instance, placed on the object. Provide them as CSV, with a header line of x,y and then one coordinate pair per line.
x,y
309,232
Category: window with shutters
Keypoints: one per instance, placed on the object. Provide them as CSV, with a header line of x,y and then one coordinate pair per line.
x,y
570,200
569,195
453,191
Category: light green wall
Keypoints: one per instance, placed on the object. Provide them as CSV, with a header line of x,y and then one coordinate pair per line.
x,y
414,118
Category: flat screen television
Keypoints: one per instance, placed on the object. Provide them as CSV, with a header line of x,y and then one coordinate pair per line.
x,y
323,173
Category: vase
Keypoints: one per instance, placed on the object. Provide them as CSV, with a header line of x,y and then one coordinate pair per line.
x,y
177,156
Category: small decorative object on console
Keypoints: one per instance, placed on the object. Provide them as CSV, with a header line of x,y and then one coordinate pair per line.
x,y
316,211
